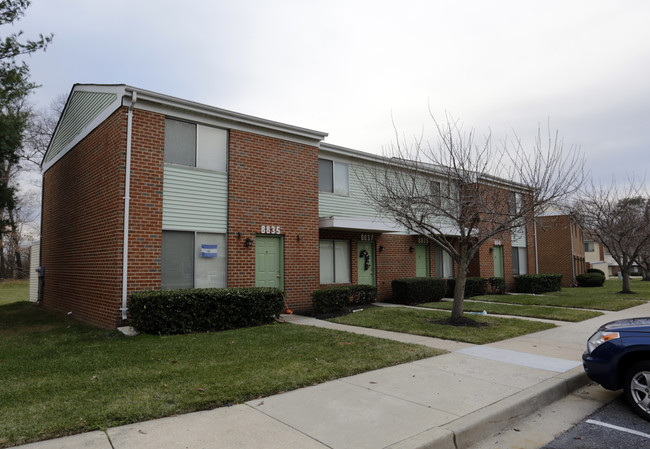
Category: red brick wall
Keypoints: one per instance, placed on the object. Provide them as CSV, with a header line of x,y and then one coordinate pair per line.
x,y
145,221
395,262
82,223
273,182
554,246
83,219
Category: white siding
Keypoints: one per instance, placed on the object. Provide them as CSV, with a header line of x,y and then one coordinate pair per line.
x,y
34,259
194,199
519,237
352,205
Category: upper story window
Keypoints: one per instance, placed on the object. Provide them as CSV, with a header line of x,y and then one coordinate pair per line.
x,y
333,177
589,247
195,145
436,193
516,203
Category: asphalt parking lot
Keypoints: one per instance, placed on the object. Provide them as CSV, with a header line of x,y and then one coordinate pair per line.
x,y
613,426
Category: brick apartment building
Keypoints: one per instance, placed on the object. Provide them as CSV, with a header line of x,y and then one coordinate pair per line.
x,y
560,246
146,191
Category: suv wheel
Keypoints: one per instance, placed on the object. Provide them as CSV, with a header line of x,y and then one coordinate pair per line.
x,y
637,388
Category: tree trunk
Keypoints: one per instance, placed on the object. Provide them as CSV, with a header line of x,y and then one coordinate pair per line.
x,y
459,290
626,282
15,240
645,272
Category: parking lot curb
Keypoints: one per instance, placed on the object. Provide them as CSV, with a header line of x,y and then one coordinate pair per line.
x,y
474,427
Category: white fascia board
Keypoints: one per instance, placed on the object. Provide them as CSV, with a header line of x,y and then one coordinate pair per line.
x,y
422,166
118,89
210,115
358,224
336,150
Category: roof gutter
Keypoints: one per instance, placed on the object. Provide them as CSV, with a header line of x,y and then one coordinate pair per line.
x,y
127,202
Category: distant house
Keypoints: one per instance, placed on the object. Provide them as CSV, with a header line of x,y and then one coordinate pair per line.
x,y
560,246
146,191
597,256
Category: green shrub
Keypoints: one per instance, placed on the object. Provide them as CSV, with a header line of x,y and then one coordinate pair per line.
x,y
595,270
590,280
418,290
201,310
362,294
474,286
497,285
337,299
538,283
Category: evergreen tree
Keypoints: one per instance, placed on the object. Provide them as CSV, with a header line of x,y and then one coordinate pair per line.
x,y
15,86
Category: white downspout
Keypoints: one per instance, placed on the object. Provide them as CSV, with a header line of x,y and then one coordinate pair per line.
x,y
573,256
536,250
127,201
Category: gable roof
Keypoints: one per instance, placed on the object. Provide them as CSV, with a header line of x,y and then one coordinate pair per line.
x,y
88,105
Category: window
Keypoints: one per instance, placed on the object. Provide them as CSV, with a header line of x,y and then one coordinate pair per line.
x,y
444,263
177,260
193,260
180,143
436,193
516,203
333,177
589,247
335,262
195,145
519,260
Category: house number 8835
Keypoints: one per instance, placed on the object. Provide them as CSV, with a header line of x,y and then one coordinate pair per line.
x,y
270,229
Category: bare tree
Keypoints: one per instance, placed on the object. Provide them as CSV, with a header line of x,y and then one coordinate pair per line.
x,y
462,191
39,130
20,215
644,263
620,217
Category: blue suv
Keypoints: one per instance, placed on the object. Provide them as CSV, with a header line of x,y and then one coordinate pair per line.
x,y
618,356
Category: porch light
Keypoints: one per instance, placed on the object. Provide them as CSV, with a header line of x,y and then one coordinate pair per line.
x,y
249,241
411,249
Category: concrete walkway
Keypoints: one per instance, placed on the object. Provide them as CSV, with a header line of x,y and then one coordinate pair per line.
x,y
449,401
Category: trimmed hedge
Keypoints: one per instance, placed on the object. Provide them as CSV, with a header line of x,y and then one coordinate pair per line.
x,y
590,279
474,286
595,270
203,309
497,285
538,283
336,299
418,290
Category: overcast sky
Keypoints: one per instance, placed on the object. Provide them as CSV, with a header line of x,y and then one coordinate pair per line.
x,y
346,67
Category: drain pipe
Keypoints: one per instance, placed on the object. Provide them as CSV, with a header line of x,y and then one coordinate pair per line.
x,y
536,250
127,201
573,255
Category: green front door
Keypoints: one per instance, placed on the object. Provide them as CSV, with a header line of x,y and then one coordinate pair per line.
x,y
366,263
497,253
269,262
421,260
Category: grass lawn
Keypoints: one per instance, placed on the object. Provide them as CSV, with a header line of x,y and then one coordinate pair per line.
x,y
12,291
549,313
59,377
417,321
599,298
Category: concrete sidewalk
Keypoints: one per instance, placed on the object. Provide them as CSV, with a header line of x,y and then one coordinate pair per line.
x,y
449,401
